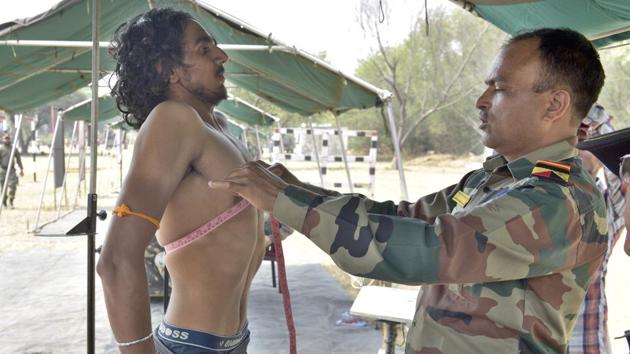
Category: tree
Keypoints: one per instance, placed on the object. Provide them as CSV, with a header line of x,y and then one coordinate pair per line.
x,y
614,95
431,76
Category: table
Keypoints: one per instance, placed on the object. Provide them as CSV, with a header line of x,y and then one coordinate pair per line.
x,y
391,306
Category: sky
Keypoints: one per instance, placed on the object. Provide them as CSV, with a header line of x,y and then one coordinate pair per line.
x,y
329,26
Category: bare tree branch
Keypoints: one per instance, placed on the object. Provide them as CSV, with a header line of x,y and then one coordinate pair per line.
x,y
428,113
441,103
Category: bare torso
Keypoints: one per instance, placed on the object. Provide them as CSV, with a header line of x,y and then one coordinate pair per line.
x,y
211,276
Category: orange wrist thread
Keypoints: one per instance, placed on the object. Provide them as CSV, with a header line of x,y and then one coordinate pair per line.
x,y
123,210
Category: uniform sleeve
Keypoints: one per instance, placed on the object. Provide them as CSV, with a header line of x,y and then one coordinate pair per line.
x,y
527,232
425,208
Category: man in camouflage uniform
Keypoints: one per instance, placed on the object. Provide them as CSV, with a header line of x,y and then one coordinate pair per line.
x,y
5,155
507,253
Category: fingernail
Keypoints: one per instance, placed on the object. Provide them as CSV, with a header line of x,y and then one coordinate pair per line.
x,y
210,184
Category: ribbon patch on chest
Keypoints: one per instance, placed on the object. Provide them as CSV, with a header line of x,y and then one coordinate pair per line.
x,y
461,198
555,171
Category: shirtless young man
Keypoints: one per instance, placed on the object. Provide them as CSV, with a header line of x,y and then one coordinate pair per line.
x,y
170,77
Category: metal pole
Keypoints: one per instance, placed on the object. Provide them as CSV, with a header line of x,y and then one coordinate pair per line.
x,y
282,151
319,167
107,129
65,175
81,161
50,155
399,164
121,137
245,137
92,197
343,152
5,185
260,151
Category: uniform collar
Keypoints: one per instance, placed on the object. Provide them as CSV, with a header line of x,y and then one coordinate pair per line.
x,y
522,167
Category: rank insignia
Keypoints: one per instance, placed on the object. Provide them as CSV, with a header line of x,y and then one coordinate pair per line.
x,y
555,171
461,198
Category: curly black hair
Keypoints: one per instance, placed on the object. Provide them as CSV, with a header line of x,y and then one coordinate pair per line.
x,y
146,49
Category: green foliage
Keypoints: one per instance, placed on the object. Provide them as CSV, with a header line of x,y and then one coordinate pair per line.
x,y
614,96
435,80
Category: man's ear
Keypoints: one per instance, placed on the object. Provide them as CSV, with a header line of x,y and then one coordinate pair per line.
x,y
172,77
559,105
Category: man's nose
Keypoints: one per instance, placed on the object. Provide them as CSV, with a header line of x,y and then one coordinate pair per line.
x,y
222,57
483,101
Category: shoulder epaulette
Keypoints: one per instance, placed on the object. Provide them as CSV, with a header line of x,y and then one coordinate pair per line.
x,y
551,170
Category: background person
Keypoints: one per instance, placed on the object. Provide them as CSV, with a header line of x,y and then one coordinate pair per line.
x,y
5,155
590,334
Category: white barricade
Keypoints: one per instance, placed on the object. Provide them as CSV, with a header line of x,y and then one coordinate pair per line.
x,y
278,154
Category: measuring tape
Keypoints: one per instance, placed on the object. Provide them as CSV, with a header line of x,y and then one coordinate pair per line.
x,y
277,243
282,274
207,227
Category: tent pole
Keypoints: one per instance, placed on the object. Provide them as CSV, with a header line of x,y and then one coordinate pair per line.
x,y
65,175
80,160
5,185
92,197
121,136
392,128
319,167
103,150
258,147
343,152
282,151
50,154
107,129
245,138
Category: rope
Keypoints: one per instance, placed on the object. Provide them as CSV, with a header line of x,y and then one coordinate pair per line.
x,y
282,275
123,210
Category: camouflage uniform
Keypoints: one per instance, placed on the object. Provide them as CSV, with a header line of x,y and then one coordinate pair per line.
x,y
5,155
506,266
154,267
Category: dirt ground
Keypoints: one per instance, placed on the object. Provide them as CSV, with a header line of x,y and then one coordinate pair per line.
x,y
423,175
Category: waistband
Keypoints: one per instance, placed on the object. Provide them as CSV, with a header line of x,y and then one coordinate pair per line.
x,y
200,339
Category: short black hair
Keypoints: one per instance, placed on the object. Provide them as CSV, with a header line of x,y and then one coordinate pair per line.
x,y
146,49
568,58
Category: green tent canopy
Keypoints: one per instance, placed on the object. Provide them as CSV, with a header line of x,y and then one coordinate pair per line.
x,y
234,107
603,21
120,124
246,113
34,73
235,129
81,111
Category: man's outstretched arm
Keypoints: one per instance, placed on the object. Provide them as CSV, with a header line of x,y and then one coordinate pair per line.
x,y
162,154
425,208
503,239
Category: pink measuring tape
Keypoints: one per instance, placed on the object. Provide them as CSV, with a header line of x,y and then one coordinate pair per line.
x,y
282,274
207,227
277,243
